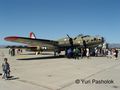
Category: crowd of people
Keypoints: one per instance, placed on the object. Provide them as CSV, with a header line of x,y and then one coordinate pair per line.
x,y
112,53
12,51
77,53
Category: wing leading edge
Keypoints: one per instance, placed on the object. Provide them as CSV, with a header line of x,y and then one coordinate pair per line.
x,y
31,42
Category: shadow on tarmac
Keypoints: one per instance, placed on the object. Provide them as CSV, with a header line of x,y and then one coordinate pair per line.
x,y
38,58
12,78
40,54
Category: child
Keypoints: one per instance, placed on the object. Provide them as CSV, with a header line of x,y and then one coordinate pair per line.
x,y
6,69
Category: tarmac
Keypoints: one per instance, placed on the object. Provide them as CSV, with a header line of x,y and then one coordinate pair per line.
x,y
45,72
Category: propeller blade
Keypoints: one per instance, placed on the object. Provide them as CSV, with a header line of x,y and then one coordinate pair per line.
x,y
75,38
70,40
68,36
103,39
84,43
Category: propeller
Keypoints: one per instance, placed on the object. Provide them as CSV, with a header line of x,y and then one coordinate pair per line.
x,y
103,39
70,40
84,43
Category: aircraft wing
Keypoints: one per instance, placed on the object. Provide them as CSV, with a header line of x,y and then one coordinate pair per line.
x,y
31,42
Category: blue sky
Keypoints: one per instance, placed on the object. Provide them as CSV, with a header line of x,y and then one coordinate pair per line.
x,y
52,19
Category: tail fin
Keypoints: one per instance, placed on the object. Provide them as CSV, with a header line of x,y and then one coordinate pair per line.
x,y
32,35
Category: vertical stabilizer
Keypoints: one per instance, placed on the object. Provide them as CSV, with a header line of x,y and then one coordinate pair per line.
x,y
32,35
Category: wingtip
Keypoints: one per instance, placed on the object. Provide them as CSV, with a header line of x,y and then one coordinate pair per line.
x,y
10,38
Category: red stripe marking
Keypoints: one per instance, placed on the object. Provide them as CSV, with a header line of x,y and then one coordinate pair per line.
x,y
12,38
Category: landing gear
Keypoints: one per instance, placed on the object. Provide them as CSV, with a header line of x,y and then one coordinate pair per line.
x,y
38,52
57,52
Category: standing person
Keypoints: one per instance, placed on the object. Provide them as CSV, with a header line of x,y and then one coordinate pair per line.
x,y
6,69
69,53
84,52
76,53
9,51
18,51
116,53
87,52
109,53
81,53
13,51
96,52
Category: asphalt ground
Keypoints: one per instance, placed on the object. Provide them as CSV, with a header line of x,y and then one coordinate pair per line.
x,y
45,72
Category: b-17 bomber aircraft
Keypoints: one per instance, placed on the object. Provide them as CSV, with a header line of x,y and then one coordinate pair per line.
x,y
35,44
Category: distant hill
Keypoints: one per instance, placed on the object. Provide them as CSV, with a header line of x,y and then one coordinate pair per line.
x,y
7,46
2,46
114,45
